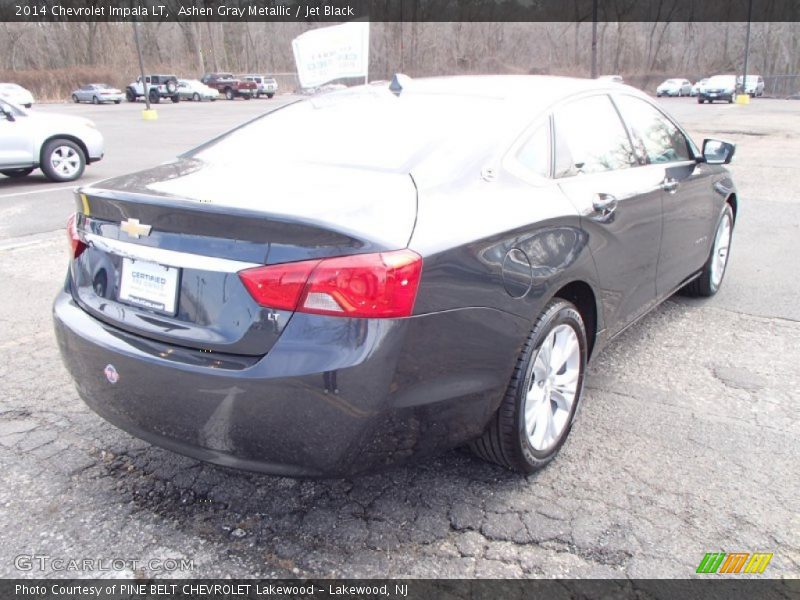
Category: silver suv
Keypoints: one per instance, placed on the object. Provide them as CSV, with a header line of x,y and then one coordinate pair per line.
x,y
60,145
267,86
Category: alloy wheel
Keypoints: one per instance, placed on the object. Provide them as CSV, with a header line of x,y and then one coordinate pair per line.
x,y
65,161
553,387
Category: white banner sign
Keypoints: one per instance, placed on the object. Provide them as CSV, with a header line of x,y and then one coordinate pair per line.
x,y
329,53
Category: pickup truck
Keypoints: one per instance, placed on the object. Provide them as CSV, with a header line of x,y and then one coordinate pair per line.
x,y
158,87
230,86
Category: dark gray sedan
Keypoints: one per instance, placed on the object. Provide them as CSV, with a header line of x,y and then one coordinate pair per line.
x,y
434,265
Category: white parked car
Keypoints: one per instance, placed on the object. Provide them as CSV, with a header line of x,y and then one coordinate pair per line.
x,y
97,93
699,86
674,87
60,145
754,85
16,94
196,90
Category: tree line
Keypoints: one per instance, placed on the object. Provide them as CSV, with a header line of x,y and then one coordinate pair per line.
x,y
52,56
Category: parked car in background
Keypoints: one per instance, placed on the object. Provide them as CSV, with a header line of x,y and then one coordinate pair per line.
x,y
267,86
674,87
433,265
754,86
230,86
155,86
60,145
611,78
698,86
16,94
97,93
718,87
196,91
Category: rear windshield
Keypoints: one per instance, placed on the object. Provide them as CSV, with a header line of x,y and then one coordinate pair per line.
x,y
370,129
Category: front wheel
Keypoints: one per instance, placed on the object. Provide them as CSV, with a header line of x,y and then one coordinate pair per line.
x,y
710,279
536,414
229,94
62,160
15,173
75,99
95,100
269,96
195,97
130,95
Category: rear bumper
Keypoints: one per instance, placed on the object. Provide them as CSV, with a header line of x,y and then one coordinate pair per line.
x,y
333,397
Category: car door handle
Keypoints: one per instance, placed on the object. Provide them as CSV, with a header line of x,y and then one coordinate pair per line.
x,y
670,185
604,204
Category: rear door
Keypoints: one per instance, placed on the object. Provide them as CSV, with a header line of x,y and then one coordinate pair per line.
x,y
688,201
619,201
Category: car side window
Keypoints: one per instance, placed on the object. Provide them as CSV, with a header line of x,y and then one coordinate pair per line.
x,y
534,154
590,138
655,134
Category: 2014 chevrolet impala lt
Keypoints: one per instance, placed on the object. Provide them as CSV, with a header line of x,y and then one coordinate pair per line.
x,y
434,264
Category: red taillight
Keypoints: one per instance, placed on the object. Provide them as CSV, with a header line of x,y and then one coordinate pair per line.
x,y
379,285
278,286
76,245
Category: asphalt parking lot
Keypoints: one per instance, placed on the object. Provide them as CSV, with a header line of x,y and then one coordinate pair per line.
x,y
688,440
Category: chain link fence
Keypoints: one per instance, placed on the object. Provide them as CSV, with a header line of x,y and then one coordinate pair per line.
x,y
782,86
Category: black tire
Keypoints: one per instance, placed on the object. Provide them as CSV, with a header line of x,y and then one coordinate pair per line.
x,y
258,95
117,101
703,286
16,173
154,97
75,99
95,100
47,167
700,101
175,99
130,95
195,97
270,96
505,441
229,95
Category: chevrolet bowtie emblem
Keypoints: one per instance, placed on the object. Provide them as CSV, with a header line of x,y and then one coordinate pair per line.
x,y
135,229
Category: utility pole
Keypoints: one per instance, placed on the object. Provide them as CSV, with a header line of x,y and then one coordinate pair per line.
x,y
145,89
594,39
747,46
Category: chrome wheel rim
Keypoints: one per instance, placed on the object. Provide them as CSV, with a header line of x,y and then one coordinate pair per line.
x,y
722,242
553,387
65,161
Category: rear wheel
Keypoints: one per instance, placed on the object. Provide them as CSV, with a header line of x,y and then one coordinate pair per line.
x,y
710,279
95,100
195,97
229,94
62,160
130,95
270,96
154,97
700,101
536,414
176,98
17,172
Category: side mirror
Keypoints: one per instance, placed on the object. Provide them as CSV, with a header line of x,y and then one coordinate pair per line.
x,y
717,152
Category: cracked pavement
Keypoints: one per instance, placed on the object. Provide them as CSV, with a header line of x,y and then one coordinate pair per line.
x,y
688,441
